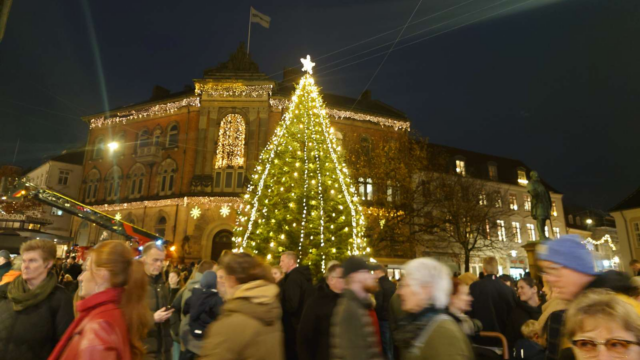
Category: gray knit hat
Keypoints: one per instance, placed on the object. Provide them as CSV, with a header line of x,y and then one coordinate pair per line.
x,y
209,280
5,254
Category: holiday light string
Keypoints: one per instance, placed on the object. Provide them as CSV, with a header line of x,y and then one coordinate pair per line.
x,y
341,114
306,181
199,201
604,239
231,137
233,90
156,110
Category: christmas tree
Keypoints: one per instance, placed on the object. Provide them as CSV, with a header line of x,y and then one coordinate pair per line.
x,y
301,197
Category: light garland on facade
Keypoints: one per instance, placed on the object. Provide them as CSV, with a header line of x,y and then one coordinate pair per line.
x,y
605,239
230,150
340,114
157,110
205,202
233,90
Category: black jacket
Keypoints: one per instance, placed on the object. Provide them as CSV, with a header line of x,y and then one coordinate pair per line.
x,y
4,268
31,334
158,339
493,303
203,308
74,270
315,325
522,313
528,350
383,297
296,289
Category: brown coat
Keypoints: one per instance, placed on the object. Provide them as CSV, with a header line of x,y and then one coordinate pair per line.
x,y
250,327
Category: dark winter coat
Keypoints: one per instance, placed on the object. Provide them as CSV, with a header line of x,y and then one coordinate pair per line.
x,y
315,326
528,350
522,313
74,270
203,308
493,304
32,334
353,334
4,268
383,297
158,339
296,289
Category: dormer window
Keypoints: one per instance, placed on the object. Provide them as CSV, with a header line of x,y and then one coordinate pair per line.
x,y
461,167
522,177
493,171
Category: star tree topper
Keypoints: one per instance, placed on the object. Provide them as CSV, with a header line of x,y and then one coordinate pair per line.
x,y
307,64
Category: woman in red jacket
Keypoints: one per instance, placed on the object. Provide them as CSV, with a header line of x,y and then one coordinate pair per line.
x,y
113,315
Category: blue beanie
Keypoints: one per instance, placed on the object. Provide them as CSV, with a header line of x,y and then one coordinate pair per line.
x,y
568,251
209,280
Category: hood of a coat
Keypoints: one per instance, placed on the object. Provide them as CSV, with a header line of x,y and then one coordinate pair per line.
x,y
257,299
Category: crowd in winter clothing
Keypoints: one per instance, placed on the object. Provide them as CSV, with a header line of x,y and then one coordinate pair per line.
x,y
128,308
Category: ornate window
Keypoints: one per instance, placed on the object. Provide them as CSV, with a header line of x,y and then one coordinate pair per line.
x,y
517,236
92,181
502,233
161,226
98,148
172,135
166,177
143,138
570,219
157,133
230,152
112,183
136,180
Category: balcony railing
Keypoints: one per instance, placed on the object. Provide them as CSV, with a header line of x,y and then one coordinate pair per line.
x,y
149,154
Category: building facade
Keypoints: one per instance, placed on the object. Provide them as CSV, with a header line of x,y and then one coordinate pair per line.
x,y
178,164
627,218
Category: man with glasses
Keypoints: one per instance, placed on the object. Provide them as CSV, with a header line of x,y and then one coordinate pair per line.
x,y
568,267
315,325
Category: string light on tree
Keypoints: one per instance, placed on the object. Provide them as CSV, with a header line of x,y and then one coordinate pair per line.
x,y
301,197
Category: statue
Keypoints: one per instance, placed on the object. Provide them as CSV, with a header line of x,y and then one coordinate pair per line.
x,y
540,204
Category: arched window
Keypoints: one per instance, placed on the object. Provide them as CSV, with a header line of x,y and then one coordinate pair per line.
x,y
157,133
365,143
92,180
98,148
161,226
570,219
113,179
136,180
143,138
172,135
578,221
230,152
166,177
121,141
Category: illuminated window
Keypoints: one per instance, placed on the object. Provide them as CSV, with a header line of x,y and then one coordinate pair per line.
x,y
513,202
63,177
56,212
554,210
517,236
230,152
556,232
502,234
172,136
531,231
112,183
365,188
522,177
527,202
493,171
498,202
483,198
461,167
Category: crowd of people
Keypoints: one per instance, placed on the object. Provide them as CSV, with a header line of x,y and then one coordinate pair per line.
x,y
148,308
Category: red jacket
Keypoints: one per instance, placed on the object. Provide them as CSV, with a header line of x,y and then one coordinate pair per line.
x,y
99,331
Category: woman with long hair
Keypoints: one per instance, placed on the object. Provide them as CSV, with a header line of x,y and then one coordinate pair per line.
x,y
250,326
113,316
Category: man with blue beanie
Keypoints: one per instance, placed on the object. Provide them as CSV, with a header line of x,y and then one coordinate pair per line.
x,y
568,267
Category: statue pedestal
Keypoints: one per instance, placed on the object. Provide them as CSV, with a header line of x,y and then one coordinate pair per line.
x,y
530,248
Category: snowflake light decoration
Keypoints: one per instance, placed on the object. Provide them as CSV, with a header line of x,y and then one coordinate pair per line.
x,y
225,210
195,212
118,216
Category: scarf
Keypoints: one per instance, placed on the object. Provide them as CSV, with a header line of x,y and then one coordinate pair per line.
x,y
22,297
412,325
85,307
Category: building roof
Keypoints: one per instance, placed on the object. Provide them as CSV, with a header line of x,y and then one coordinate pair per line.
x,y
630,202
477,164
75,157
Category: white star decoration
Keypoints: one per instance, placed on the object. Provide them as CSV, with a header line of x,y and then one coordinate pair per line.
x,y
118,217
195,212
224,210
308,65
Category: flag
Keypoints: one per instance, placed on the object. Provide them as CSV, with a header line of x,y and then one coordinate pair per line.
x,y
260,18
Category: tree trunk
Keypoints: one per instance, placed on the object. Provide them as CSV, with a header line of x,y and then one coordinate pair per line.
x,y
467,258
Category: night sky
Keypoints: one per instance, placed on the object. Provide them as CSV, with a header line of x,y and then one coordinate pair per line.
x,y
553,83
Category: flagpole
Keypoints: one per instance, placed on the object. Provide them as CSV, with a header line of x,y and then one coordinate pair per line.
x,y
249,39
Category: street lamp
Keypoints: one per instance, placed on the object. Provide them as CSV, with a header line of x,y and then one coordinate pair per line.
x,y
113,146
589,221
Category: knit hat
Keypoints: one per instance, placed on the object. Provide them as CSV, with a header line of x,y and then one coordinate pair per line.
x,y
568,251
209,280
5,254
354,264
